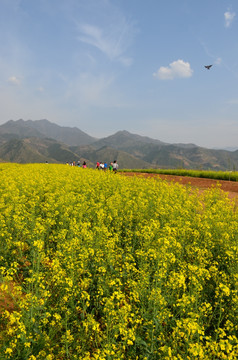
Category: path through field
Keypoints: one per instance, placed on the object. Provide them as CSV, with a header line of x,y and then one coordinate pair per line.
x,y
229,186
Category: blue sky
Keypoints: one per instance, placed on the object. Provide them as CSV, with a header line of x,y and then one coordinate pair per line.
x,y
136,65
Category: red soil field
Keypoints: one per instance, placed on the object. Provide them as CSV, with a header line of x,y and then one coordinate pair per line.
x,y
228,186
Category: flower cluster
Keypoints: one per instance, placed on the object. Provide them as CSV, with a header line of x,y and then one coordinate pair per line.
x,y
95,265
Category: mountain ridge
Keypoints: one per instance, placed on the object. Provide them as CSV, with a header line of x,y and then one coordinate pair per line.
x,y
45,128
41,140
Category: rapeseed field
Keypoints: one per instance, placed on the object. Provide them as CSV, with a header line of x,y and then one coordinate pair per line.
x,y
94,265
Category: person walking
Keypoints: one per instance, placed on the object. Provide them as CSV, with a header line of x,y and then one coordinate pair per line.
x,y
115,166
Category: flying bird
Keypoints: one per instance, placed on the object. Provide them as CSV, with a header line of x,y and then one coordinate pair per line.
x,y
208,67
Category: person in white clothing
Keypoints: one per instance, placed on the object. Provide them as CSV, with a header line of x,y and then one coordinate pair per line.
x,y
115,166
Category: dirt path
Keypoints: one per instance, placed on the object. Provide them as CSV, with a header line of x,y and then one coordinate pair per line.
x,y
229,186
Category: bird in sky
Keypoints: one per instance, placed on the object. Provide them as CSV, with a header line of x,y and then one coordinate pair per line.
x,y
208,67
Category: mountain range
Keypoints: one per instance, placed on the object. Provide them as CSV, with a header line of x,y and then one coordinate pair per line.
x,y
43,141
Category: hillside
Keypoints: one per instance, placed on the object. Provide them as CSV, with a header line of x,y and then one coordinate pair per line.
x,y
39,141
108,154
18,129
123,140
19,151
190,157
163,155
44,128
38,150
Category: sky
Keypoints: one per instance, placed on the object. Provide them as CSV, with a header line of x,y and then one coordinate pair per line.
x,y
137,65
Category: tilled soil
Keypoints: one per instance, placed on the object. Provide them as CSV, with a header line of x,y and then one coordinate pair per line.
x,y
228,186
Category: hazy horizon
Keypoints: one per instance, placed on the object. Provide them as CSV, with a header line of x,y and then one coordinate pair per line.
x,y
229,148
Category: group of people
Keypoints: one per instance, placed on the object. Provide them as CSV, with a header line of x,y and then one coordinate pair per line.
x,y
113,166
73,163
104,166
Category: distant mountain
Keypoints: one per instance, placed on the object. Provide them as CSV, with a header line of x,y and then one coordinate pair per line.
x,y
35,150
231,148
164,155
18,129
19,151
123,140
194,157
39,141
44,128
108,154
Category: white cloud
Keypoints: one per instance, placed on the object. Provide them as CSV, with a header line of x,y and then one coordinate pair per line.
x,y
113,45
110,32
177,69
229,17
94,36
14,80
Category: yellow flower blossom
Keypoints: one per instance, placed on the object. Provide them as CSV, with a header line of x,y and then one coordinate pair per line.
x,y
98,266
